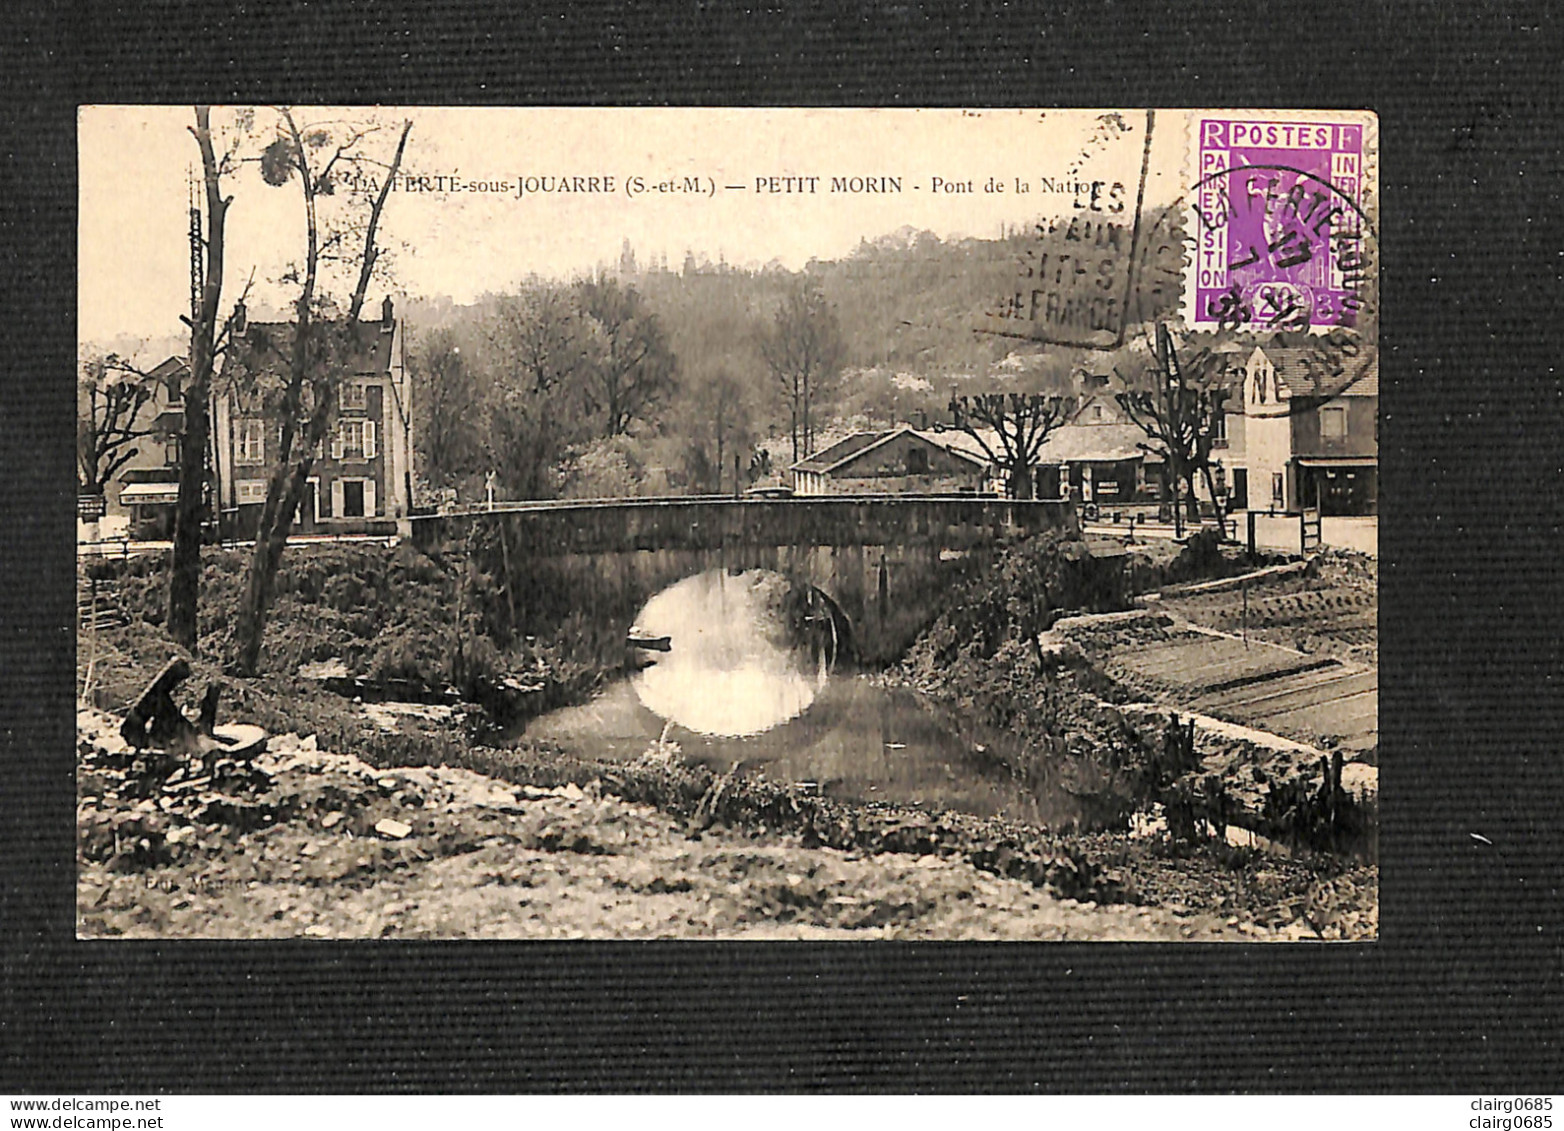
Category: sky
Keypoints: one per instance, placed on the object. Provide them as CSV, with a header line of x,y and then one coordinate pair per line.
x,y
136,163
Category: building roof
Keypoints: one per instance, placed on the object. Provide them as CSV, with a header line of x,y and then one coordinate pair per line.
x,y
1112,410
828,458
149,493
1072,443
170,366
1293,369
1366,385
839,453
961,442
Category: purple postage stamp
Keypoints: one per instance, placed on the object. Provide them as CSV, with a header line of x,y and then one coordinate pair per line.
x,y
1281,221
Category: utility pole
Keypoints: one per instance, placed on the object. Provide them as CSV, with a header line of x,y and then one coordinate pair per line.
x,y
197,288
197,247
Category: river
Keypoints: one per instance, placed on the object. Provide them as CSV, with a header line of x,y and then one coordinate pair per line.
x,y
749,677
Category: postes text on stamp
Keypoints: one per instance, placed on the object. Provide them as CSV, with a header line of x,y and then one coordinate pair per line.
x,y
1281,223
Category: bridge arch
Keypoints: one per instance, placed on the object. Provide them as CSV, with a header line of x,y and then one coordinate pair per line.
x,y
881,561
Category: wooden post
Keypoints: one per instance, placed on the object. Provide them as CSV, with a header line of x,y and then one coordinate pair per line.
x,y
510,599
207,723
1245,622
459,661
92,639
1251,534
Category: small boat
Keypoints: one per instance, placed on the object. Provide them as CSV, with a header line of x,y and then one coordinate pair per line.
x,y
651,643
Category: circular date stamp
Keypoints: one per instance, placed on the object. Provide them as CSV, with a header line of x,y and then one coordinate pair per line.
x,y
1284,237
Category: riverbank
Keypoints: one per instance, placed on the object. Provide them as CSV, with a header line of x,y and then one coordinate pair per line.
x,y
647,847
1107,702
303,842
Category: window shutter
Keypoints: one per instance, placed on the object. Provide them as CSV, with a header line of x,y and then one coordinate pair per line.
x,y
369,498
336,498
336,453
369,439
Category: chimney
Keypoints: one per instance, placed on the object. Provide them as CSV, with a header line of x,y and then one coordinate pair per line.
x,y
386,321
240,318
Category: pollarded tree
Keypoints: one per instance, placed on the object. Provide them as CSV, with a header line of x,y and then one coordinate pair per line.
x,y
343,192
1181,414
1011,428
112,394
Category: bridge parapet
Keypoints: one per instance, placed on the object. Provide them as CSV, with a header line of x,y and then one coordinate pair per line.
x,y
712,523
886,561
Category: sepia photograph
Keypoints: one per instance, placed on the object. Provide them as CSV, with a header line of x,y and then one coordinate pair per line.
x,y
675,523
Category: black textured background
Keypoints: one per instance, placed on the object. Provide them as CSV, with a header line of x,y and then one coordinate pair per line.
x,y
1462,993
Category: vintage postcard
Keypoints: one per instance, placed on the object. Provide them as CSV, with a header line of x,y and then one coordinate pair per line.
x,y
728,523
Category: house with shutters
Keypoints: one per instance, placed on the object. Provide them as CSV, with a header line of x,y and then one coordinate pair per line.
x,y
1309,438
361,480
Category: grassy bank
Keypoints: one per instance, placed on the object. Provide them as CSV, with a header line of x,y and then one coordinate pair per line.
x,y
992,657
372,612
399,614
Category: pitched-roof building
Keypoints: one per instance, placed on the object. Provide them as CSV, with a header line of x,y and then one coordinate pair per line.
x,y
1310,437
898,461
361,480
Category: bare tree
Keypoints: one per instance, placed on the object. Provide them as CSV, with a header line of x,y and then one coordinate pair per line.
x,y
113,393
635,371
207,341
1180,414
804,349
1011,428
326,159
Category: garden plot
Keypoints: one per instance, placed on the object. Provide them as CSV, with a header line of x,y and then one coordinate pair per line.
x,y
1320,700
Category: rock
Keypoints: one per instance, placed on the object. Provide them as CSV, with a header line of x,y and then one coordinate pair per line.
x,y
392,828
331,820
333,668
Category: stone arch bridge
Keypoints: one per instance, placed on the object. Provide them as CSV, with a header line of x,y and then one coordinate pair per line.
x,y
883,560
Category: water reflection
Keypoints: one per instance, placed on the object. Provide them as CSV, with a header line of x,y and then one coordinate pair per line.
x,y
747,679
742,656
858,740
